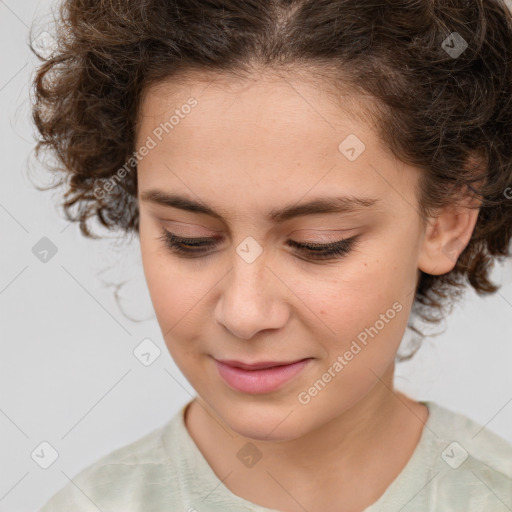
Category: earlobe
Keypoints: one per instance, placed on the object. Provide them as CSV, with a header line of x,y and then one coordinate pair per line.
x,y
446,237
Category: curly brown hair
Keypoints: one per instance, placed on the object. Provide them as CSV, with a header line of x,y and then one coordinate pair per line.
x,y
440,72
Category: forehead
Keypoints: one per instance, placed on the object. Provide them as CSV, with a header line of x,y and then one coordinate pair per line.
x,y
258,140
268,118
295,99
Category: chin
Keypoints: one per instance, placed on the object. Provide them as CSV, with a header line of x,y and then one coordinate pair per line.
x,y
264,422
267,431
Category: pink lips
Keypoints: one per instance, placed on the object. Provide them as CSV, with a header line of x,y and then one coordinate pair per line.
x,y
258,378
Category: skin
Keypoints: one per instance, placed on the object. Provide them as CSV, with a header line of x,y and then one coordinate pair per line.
x,y
245,148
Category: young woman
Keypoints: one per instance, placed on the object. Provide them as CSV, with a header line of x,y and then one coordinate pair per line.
x,y
304,177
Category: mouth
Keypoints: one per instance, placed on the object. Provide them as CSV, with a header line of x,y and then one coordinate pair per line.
x,y
261,377
256,366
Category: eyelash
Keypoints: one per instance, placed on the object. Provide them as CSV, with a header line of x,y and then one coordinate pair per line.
x,y
333,250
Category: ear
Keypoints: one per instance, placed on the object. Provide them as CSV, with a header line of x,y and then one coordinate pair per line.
x,y
447,234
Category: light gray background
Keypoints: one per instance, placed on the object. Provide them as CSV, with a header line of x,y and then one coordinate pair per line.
x,y
68,373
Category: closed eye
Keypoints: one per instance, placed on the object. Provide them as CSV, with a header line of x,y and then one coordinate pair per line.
x,y
197,247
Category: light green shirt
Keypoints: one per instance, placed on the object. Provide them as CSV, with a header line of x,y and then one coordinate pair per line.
x,y
456,466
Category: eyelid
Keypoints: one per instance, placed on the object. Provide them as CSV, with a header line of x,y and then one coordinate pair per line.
x,y
316,230
336,234
191,225
162,219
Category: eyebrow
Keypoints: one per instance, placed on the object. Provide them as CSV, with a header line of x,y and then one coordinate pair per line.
x,y
340,204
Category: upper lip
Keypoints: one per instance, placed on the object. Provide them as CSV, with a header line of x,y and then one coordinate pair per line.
x,y
257,366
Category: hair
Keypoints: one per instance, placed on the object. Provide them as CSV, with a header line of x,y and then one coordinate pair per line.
x,y
448,114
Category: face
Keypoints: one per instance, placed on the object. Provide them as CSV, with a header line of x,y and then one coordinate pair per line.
x,y
332,288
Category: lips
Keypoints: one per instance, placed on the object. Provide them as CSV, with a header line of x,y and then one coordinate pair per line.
x,y
258,378
256,366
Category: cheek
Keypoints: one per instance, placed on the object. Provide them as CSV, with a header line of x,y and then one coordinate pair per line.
x,y
353,321
368,304
169,288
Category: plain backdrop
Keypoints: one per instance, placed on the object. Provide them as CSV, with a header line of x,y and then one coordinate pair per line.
x,y
68,373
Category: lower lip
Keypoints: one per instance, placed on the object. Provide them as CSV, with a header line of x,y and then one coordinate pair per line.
x,y
259,381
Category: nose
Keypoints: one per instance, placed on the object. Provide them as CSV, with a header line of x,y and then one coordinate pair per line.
x,y
252,298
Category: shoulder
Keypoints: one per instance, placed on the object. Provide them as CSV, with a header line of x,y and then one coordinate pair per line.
x,y
119,480
472,465
467,435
